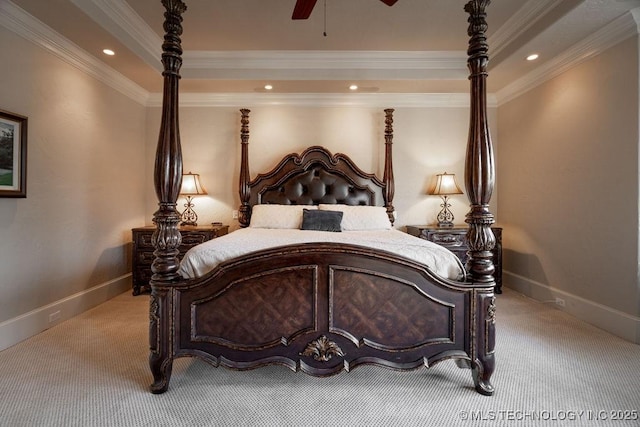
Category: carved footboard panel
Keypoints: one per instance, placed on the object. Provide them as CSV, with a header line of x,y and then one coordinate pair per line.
x,y
323,309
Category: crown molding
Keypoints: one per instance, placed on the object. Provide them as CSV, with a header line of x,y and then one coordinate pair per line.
x,y
616,31
383,100
25,25
331,65
124,23
635,14
520,22
326,59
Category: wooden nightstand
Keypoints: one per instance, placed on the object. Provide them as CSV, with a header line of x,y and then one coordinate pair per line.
x,y
143,248
455,239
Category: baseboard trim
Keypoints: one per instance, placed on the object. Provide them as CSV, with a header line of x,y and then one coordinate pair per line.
x,y
20,328
624,325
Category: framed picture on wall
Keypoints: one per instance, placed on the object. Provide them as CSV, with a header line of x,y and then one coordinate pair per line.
x,y
13,155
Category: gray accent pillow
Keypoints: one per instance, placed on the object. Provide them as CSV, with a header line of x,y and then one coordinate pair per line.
x,y
321,220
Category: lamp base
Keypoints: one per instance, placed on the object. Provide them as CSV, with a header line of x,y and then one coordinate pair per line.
x,y
445,217
189,216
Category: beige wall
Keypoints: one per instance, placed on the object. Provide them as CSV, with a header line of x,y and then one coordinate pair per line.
x,y
85,185
426,141
568,179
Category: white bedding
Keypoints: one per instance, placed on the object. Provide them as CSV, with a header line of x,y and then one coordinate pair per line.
x,y
201,259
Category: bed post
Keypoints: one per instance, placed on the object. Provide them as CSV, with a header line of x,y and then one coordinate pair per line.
x,y
389,184
479,181
244,212
167,180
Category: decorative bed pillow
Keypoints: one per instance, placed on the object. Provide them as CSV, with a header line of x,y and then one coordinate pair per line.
x,y
278,216
360,218
321,220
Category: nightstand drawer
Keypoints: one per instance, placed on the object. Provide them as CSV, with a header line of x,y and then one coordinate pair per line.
x,y
144,240
144,257
191,239
449,240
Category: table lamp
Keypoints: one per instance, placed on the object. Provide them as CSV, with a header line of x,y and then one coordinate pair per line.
x,y
445,186
191,187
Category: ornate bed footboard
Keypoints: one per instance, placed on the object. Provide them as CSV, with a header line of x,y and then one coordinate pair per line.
x,y
322,308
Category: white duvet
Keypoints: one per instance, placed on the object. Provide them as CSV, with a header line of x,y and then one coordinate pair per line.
x,y
203,258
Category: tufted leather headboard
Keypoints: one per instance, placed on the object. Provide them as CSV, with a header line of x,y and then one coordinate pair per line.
x,y
315,176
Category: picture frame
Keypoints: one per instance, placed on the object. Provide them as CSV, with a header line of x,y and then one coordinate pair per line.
x,y
13,155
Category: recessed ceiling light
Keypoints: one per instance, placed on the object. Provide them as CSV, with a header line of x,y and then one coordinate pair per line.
x,y
353,87
108,52
268,87
532,57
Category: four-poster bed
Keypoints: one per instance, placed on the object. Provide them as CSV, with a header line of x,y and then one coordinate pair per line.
x,y
322,307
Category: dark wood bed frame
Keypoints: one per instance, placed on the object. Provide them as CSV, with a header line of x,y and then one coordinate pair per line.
x,y
322,308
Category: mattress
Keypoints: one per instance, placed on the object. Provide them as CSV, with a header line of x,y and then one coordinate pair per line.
x,y
203,258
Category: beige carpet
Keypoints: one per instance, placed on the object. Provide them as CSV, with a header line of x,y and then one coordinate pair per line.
x,y
92,371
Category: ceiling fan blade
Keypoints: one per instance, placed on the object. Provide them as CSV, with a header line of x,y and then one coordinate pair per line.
x,y
303,9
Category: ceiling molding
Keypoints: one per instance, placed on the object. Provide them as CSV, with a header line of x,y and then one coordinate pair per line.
x,y
519,23
327,59
124,23
25,25
616,31
325,65
635,13
378,100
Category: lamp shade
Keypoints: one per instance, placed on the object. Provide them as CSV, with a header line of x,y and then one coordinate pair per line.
x,y
445,185
191,185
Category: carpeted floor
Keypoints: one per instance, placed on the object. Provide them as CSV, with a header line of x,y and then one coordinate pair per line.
x,y
92,371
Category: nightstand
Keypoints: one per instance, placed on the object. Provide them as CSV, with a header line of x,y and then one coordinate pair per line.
x,y
143,248
455,239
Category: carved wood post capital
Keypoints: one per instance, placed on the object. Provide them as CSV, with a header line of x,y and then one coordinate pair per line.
x,y
166,240
172,49
481,243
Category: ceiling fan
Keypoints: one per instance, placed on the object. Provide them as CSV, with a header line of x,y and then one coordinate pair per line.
x,y
303,8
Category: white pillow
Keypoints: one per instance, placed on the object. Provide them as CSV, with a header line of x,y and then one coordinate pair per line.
x,y
360,218
277,216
